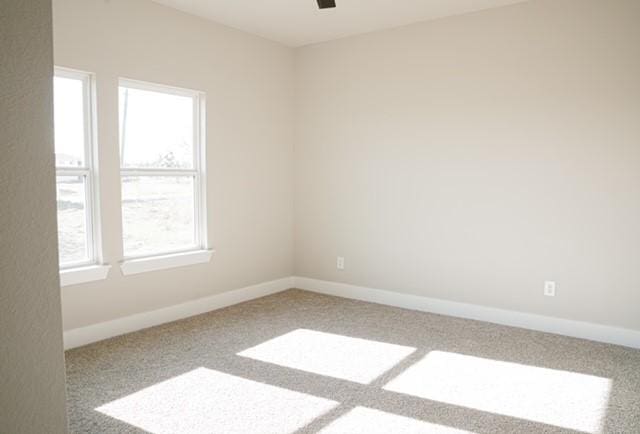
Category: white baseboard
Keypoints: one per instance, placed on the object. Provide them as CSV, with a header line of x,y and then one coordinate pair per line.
x,y
97,332
595,332
577,329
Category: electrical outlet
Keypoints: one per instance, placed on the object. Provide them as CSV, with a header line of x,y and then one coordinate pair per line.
x,y
550,289
340,263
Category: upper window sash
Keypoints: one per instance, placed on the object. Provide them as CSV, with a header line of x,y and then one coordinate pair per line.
x,y
88,109
198,113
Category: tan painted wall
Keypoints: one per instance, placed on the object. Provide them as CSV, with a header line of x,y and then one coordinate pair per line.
x,y
469,158
474,157
249,142
32,396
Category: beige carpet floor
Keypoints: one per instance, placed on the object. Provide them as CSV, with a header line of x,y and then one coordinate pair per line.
x,y
298,362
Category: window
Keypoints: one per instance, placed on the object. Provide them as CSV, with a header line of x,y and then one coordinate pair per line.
x,y
162,170
76,181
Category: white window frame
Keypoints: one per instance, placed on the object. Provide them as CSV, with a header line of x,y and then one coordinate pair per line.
x,y
93,268
200,252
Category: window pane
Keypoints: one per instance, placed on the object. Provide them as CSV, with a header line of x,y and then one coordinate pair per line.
x,y
72,219
69,121
157,214
156,129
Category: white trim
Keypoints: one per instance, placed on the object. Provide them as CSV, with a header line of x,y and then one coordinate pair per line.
x,y
157,87
97,332
596,332
198,172
577,329
91,166
133,171
75,276
74,73
154,263
200,131
73,172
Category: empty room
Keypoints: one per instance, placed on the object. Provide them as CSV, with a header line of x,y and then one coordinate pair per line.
x,y
318,216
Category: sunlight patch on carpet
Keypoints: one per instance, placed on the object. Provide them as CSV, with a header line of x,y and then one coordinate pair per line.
x,y
207,401
560,398
363,420
337,356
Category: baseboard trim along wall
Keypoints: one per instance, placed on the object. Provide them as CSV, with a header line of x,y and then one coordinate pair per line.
x,y
576,329
97,332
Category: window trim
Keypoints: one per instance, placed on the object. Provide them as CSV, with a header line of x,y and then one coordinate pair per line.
x,y
200,252
89,171
164,261
91,273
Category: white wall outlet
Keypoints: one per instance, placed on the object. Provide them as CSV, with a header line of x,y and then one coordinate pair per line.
x,y
340,263
550,289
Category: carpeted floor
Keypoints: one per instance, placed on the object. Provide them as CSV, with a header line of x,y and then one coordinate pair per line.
x,y
298,362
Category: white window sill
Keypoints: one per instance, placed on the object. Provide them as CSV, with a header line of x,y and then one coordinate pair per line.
x,y
143,265
91,273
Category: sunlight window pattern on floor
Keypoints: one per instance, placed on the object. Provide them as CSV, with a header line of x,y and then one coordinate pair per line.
x,y
560,398
208,401
362,420
347,358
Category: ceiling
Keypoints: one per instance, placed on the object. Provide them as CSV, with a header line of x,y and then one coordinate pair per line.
x,y
300,22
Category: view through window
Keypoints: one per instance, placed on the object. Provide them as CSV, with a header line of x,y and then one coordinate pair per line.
x,y
161,169
75,183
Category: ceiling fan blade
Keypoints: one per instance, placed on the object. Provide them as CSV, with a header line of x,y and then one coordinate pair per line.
x,y
325,4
